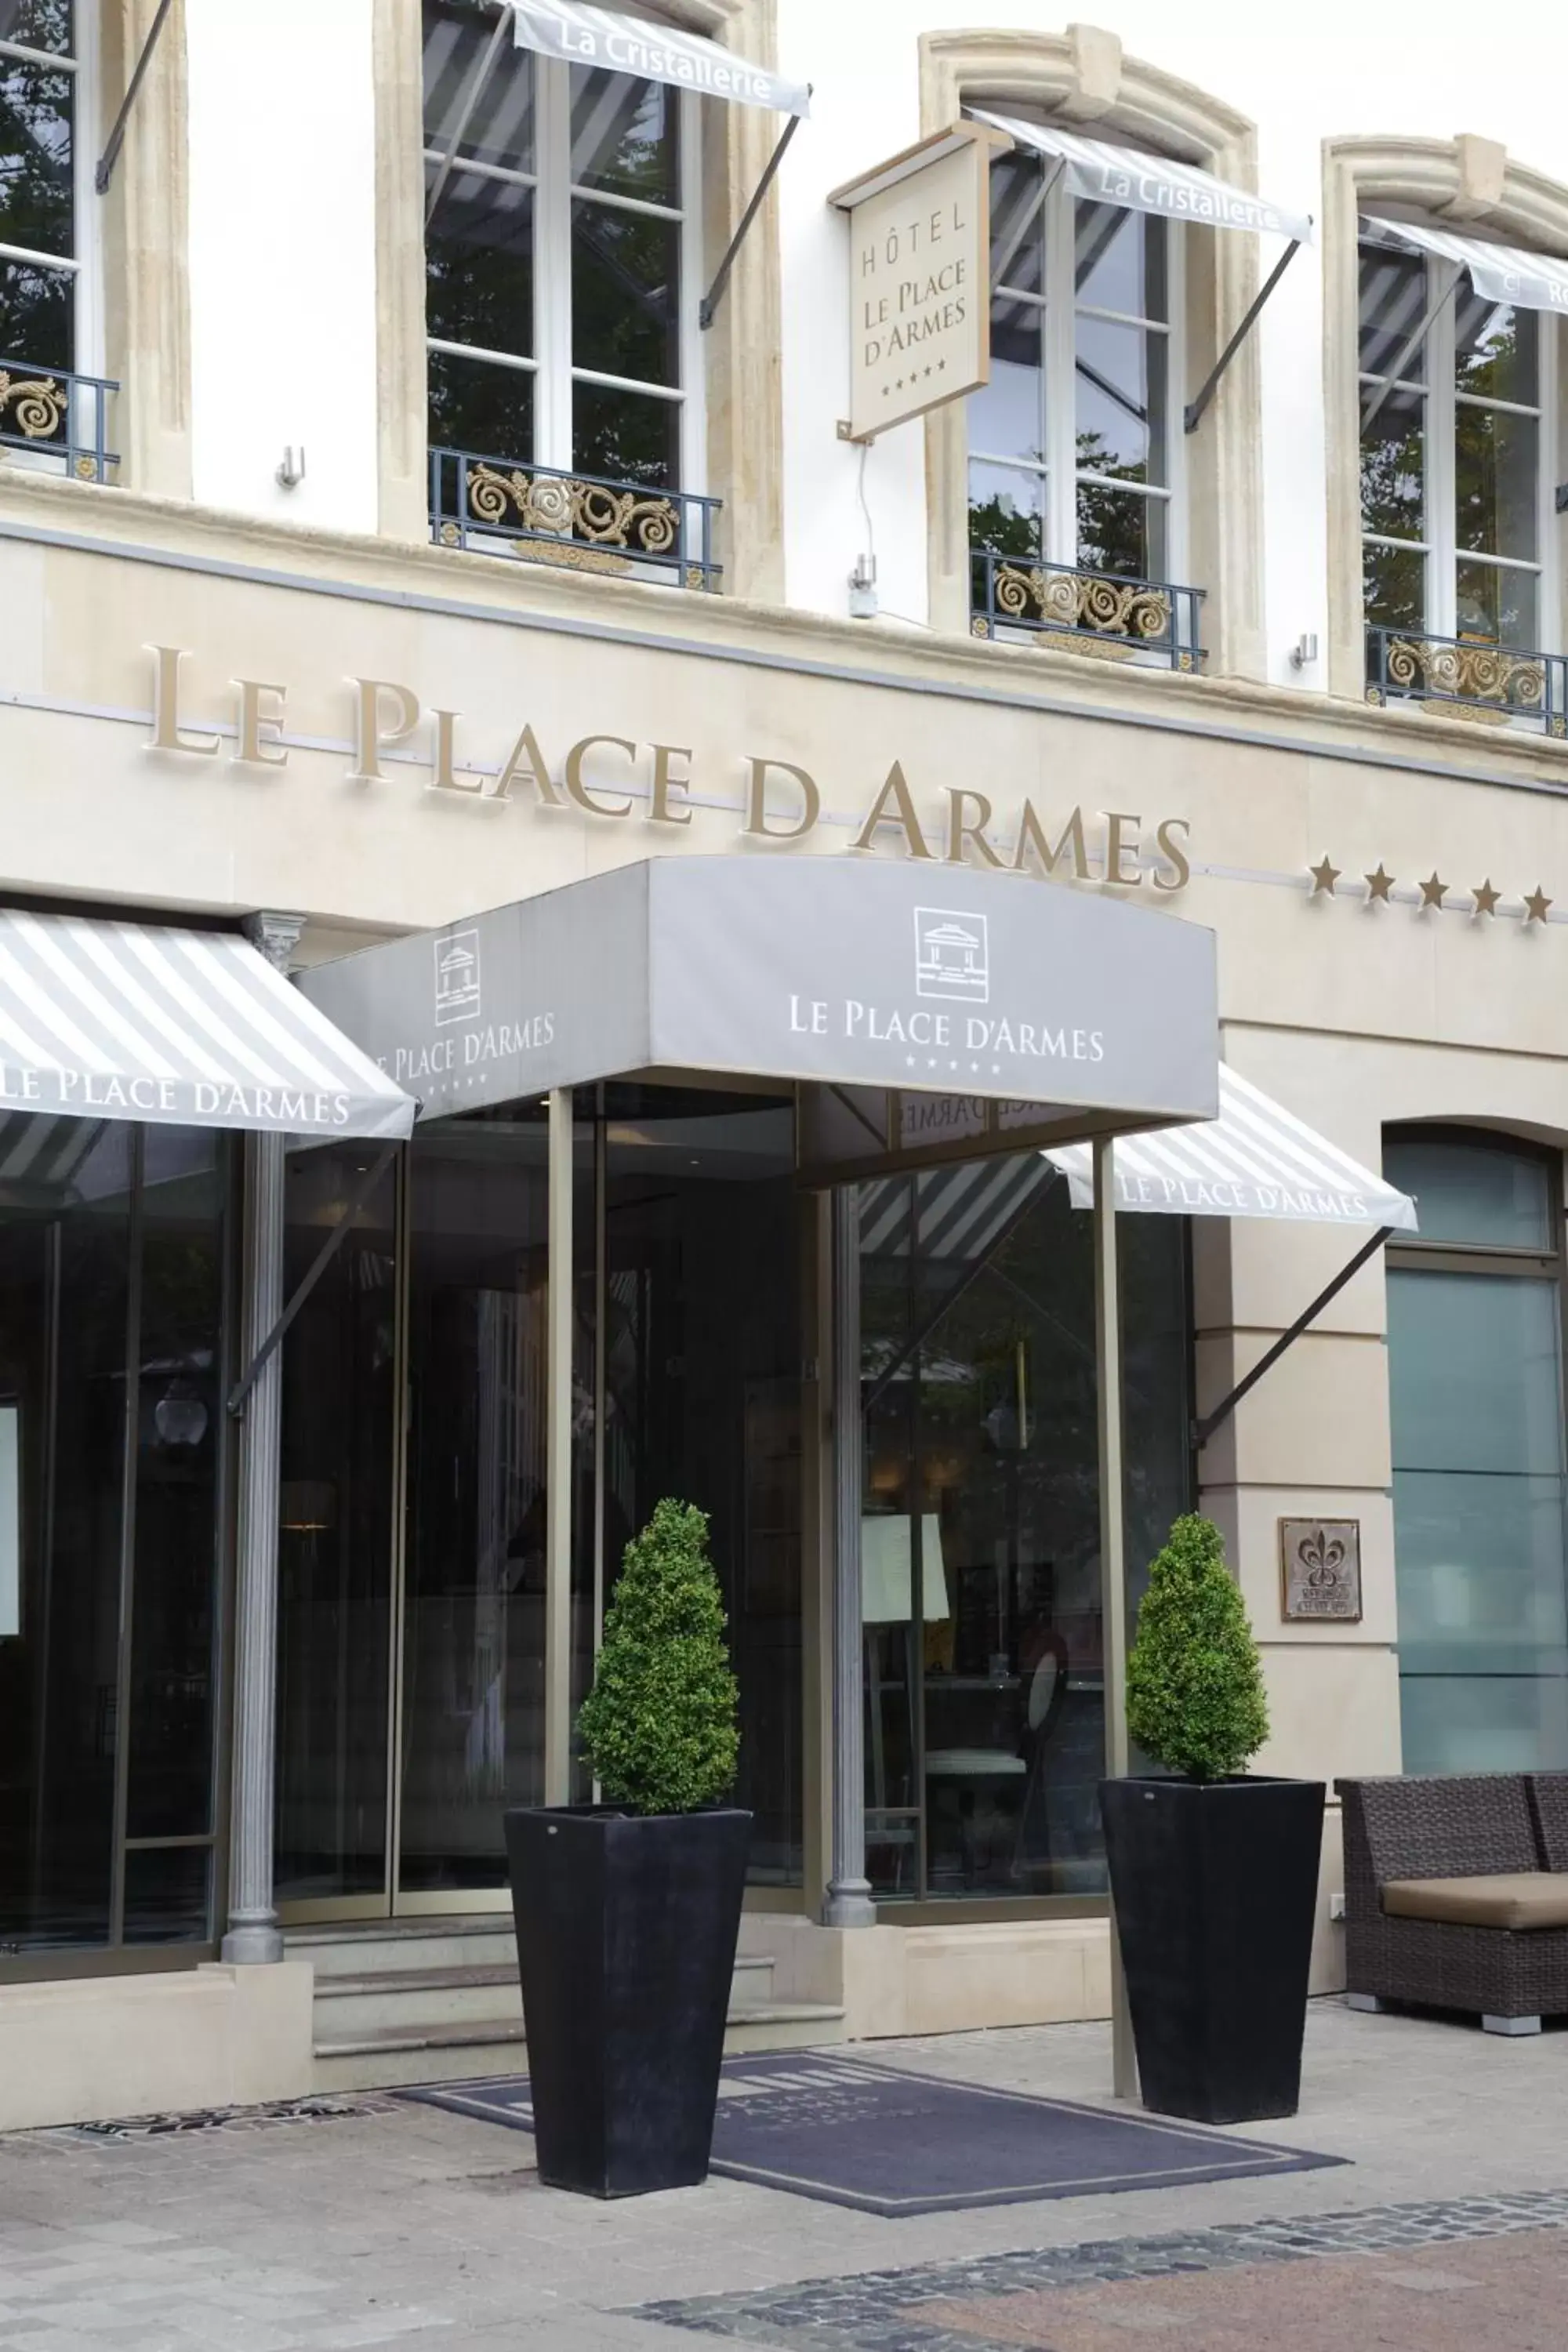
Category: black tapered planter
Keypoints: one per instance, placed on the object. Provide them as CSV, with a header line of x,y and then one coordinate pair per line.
x,y
626,1929
1215,1886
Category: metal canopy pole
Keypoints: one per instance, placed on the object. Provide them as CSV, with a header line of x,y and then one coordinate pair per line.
x,y
848,1903
1112,1563
1193,416
253,1934
558,1460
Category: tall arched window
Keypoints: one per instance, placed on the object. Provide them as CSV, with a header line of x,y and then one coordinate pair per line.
x,y
1457,457
562,282
1074,451
1480,1475
50,320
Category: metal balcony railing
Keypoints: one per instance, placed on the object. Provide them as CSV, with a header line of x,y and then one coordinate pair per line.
x,y
549,516
1095,613
1470,677
59,420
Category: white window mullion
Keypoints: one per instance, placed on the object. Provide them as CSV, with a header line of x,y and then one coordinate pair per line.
x,y
1175,452
1060,379
1441,584
694,408
1549,610
553,265
87,204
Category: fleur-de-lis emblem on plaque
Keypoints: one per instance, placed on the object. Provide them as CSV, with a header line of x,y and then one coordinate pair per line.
x,y
1323,1555
1319,1562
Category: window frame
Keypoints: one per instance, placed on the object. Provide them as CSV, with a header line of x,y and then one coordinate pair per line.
x,y
1411,1254
554,372
83,264
1439,547
1058,472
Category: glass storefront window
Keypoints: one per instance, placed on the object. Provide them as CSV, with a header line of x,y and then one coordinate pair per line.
x,y
984,1690
111,1293
1480,1475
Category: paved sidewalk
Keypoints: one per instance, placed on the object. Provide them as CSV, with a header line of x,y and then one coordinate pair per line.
x,y
403,2225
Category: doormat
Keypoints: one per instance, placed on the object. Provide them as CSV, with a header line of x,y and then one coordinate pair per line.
x,y
884,2141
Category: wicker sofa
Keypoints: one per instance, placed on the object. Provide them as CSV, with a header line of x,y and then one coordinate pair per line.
x,y
1457,1894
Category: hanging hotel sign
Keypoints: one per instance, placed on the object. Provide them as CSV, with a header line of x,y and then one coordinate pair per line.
x,y
920,242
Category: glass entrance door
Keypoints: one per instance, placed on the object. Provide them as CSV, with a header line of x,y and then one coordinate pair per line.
x,y
411,1702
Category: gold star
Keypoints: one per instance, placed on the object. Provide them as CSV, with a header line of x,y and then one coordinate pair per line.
x,y
1535,906
1431,890
1324,877
1486,897
1379,885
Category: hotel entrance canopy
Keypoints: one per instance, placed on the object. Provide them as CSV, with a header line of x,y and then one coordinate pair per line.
x,y
138,1020
1036,1013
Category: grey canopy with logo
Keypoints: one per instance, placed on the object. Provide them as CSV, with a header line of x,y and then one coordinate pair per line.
x,y
1030,1006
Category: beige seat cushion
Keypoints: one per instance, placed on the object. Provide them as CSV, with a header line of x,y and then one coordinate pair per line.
x,y
1515,1898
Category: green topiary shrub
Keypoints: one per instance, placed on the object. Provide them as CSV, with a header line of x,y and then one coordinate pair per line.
x,y
658,1726
1195,1687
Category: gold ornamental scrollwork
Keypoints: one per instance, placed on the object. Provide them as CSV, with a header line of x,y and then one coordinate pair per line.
x,y
591,514
37,405
1128,609
1477,673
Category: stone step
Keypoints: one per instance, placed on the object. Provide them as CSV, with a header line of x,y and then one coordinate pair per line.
x,y
399,1947
348,2007
460,2053
403,1949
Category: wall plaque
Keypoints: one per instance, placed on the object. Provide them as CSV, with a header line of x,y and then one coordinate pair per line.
x,y
1320,1571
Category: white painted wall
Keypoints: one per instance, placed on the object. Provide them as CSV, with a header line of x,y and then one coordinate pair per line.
x,y
283,242
1302,75
283,255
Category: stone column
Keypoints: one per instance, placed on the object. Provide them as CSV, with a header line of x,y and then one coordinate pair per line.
x,y
253,1934
848,1903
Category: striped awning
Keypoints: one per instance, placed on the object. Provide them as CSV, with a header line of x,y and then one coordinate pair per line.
x,y
1499,273
1142,182
111,1020
585,35
1255,1160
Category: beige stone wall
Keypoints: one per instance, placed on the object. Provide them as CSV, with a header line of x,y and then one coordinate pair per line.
x,y
91,2049
1353,1013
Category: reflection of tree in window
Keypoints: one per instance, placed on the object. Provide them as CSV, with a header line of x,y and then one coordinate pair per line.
x,y
36,207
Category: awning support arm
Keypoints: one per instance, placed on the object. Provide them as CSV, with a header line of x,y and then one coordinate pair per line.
x,y
110,156
466,112
1204,1430
710,303
1193,416
318,1267
1411,345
